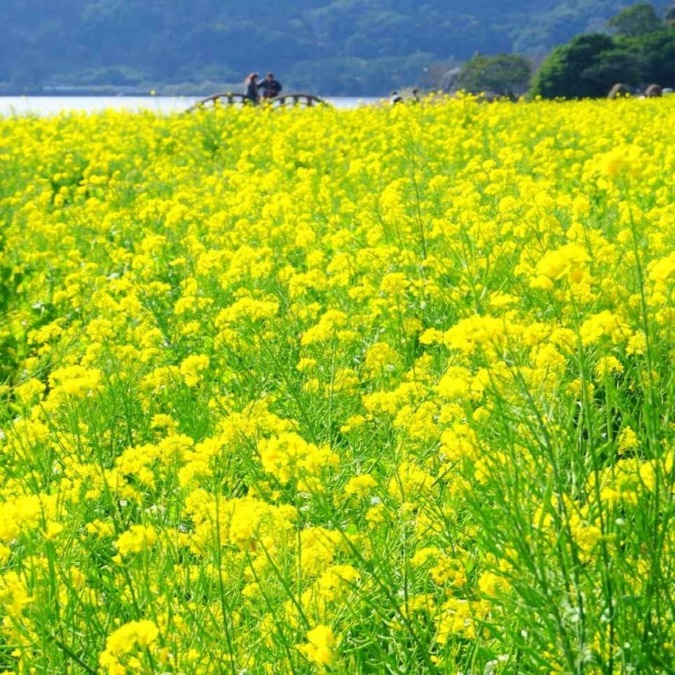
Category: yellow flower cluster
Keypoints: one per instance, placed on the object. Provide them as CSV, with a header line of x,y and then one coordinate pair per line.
x,y
132,636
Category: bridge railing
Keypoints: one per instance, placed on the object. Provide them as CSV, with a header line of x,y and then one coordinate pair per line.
x,y
229,98
296,99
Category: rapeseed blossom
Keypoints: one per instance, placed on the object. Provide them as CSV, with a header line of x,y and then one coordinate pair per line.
x,y
124,641
569,260
192,368
136,539
320,646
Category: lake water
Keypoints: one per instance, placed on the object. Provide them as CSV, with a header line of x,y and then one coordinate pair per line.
x,y
51,105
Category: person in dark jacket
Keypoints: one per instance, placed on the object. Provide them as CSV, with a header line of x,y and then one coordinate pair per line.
x,y
251,88
270,87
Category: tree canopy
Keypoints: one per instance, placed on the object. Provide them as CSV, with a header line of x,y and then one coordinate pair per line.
x,y
503,75
641,52
638,19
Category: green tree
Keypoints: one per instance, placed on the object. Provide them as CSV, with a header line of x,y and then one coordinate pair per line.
x,y
504,74
635,20
585,67
610,67
655,55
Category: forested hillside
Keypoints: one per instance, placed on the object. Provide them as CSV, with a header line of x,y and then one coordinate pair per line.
x,y
359,47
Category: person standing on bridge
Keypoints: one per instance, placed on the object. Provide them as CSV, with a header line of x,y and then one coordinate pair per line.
x,y
251,88
270,87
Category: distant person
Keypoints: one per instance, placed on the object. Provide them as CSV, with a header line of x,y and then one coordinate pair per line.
x,y
395,98
653,91
619,90
270,87
415,95
251,88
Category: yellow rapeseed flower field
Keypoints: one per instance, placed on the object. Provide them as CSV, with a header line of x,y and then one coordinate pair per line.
x,y
387,390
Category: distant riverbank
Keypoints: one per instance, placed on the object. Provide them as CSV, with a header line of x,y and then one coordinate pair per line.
x,y
188,90
52,105
171,90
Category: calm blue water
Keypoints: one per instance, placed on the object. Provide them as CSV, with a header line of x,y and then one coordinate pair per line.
x,y
51,105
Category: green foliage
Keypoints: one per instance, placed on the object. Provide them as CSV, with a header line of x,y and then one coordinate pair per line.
x,y
655,55
636,20
580,68
610,67
642,52
8,343
504,74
